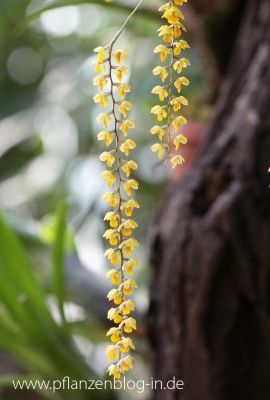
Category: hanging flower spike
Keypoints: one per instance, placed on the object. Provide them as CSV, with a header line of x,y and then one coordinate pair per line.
x,y
118,145
173,82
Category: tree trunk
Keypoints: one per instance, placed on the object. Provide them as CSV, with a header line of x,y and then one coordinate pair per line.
x,y
210,295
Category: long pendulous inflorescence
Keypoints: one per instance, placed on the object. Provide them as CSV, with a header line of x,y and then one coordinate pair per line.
x,y
172,101
118,175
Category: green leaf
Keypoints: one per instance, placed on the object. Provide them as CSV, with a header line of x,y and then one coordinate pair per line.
x,y
58,259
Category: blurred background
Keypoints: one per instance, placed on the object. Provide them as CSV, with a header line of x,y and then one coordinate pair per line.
x,y
53,287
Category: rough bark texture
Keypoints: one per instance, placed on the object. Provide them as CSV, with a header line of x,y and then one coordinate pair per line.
x,y
210,296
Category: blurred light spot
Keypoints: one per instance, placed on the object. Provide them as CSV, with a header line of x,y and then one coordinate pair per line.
x,y
89,246
83,344
61,22
24,65
58,132
90,12
73,312
85,183
151,169
42,173
142,300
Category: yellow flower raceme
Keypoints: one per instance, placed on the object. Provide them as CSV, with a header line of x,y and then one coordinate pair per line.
x,y
118,176
171,52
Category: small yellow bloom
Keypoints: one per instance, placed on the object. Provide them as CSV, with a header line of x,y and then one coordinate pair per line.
x,y
180,64
115,296
105,118
112,236
130,185
126,363
178,121
114,275
109,176
173,15
163,50
107,157
129,245
127,227
179,46
126,125
127,307
101,54
99,67
120,55
101,81
128,286
181,81
180,139
129,206
160,112
106,136
122,89
130,265
128,166
166,31
124,107
112,352
159,149
102,99
177,160
127,145
178,29
129,324
113,256
162,72
157,130
126,344
113,218
114,315
161,91
180,2
177,102
115,334
111,198
120,71
114,370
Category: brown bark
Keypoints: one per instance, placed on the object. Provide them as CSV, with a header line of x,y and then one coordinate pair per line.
x,y
210,296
